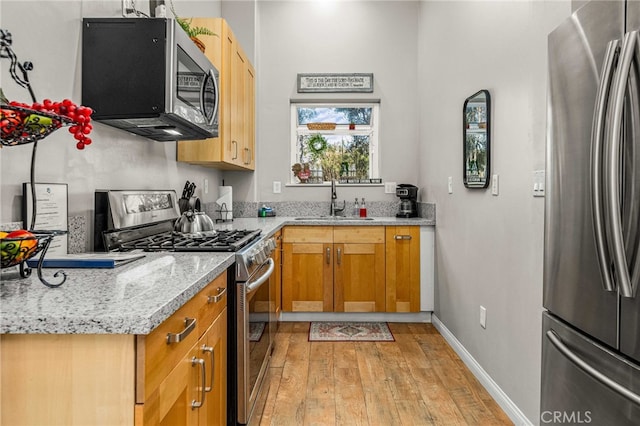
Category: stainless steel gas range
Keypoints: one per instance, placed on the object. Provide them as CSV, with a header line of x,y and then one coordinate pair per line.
x,y
144,220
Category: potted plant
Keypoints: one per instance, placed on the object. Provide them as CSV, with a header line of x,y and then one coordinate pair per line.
x,y
192,31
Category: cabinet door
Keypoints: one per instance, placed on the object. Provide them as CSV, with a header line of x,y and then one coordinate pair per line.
x,y
171,403
359,281
403,268
249,116
238,67
213,349
307,271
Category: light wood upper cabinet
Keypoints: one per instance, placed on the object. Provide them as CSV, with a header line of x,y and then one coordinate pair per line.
x,y
403,268
234,148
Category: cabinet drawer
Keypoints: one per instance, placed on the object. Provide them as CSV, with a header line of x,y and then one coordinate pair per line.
x,y
308,234
358,234
213,299
155,357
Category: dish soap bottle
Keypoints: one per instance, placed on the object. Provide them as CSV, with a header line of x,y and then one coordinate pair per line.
x,y
356,209
363,209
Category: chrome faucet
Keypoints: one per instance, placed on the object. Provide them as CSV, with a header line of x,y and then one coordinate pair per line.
x,y
334,196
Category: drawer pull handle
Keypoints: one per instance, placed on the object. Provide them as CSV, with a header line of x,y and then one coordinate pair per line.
x,y
209,349
218,296
189,325
402,237
203,375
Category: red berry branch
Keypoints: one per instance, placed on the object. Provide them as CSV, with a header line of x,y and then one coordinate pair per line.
x,y
25,120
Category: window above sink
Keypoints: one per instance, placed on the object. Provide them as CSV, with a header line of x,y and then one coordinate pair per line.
x,y
335,140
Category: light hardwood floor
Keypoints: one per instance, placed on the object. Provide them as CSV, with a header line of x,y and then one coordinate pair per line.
x,y
416,380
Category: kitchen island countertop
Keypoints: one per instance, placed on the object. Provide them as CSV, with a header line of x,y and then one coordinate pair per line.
x,y
133,298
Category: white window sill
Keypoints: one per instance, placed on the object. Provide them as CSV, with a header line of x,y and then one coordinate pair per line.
x,y
307,185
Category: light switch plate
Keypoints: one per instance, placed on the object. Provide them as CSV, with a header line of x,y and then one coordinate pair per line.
x,y
390,187
450,185
205,185
483,317
494,184
538,183
277,187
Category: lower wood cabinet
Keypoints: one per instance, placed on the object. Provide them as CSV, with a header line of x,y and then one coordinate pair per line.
x,y
333,269
307,269
359,276
402,268
123,379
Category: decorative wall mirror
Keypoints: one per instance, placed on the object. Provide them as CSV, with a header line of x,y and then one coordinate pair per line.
x,y
476,118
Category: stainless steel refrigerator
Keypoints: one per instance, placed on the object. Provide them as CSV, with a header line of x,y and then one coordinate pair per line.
x,y
591,326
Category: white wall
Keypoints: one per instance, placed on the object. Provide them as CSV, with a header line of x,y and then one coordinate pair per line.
x,y
489,248
48,34
302,37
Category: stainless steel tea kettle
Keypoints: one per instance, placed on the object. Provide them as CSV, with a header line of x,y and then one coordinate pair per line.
x,y
192,220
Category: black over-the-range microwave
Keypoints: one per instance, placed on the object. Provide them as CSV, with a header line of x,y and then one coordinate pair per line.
x,y
146,76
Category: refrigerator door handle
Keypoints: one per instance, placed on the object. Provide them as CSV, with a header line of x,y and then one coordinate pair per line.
x,y
616,240
591,371
597,137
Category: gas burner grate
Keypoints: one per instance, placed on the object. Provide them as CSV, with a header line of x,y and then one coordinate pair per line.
x,y
222,240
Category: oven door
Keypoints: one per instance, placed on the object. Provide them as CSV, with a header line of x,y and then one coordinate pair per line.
x,y
254,339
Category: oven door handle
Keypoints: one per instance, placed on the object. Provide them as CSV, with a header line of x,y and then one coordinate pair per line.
x,y
264,277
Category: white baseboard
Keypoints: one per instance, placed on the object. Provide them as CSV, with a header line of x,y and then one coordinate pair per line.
x,y
356,316
503,400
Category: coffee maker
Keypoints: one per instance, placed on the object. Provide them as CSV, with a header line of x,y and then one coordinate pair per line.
x,y
408,195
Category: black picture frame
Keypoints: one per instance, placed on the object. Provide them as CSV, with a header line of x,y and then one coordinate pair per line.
x,y
476,140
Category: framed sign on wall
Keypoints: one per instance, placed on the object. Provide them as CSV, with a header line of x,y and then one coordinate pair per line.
x,y
334,83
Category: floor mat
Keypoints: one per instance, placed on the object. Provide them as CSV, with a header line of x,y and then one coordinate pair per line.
x,y
321,331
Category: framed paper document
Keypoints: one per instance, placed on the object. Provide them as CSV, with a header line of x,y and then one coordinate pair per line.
x,y
51,212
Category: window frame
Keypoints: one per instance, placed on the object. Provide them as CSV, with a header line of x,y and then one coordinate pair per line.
x,y
341,129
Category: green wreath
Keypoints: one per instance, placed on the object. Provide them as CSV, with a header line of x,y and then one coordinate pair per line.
x,y
317,144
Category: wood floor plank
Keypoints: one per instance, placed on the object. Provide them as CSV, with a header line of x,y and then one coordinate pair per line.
x,y
380,406
414,413
291,396
272,381
319,412
320,383
416,380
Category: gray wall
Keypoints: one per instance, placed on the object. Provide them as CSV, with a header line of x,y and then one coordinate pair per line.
x,y
48,34
489,248
297,37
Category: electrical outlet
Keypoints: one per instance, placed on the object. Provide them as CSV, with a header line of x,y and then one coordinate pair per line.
x,y
205,186
494,184
277,187
390,187
483,317
450,184
538,183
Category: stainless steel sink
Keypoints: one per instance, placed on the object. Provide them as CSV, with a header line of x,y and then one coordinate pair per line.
x,y
339,218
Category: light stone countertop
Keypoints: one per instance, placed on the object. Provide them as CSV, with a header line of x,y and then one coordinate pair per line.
x,y
133,298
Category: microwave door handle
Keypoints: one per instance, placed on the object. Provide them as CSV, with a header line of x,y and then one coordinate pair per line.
x,y
616,240
216,104
597,137
264,277
209,75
